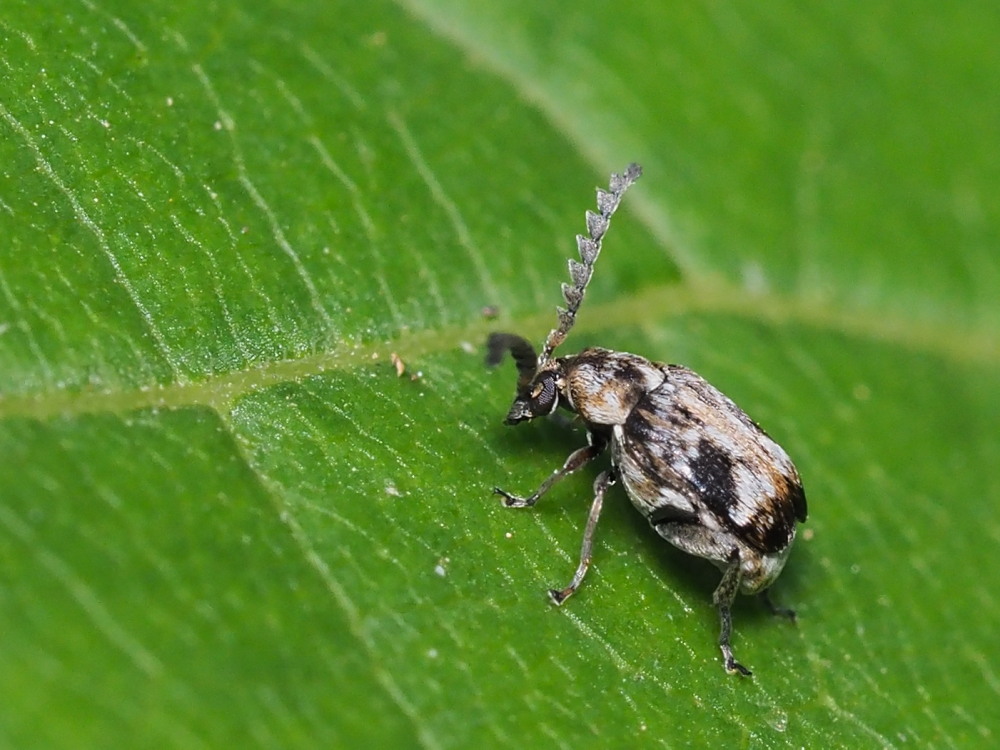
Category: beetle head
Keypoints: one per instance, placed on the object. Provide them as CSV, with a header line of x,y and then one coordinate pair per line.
x,y
537,388
539,399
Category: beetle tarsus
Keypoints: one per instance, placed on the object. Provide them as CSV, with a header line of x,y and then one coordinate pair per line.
x,y
558,596
733,666
515,501
774,609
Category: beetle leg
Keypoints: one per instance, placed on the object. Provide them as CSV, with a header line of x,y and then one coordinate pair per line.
x,y
576,459
774,609
604,480
723,600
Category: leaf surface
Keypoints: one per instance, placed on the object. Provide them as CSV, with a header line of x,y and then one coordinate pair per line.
x,y
225,520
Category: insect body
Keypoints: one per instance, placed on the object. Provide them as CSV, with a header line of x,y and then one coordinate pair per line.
x,y
707,477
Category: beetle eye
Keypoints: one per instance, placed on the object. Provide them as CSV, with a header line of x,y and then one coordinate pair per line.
x,y
544,396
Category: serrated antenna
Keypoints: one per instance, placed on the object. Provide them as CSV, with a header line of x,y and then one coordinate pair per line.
x,y
590,248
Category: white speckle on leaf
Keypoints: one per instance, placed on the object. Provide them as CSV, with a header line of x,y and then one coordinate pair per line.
x,y
392,490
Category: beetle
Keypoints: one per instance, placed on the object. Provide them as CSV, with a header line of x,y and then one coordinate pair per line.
x,y
707,478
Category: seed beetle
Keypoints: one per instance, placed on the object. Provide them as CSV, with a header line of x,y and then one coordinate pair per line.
x,y
707,478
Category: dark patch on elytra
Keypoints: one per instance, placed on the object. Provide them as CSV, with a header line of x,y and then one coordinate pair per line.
x,y
638,427
712,476
788,505
683,415
798,498
773,538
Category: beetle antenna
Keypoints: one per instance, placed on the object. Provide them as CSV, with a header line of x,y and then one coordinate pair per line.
x,y
590,248
520,349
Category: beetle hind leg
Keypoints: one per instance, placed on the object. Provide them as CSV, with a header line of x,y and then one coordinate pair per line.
x,y
774,609
723,600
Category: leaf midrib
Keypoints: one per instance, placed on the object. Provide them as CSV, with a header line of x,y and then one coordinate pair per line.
x,y
654,303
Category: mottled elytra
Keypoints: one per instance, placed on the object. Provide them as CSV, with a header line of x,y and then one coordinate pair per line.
x,y
707,478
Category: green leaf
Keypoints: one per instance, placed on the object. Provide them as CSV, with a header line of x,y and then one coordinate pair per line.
x,y
225,521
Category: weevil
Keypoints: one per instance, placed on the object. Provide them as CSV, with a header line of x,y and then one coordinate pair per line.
x,y
707,478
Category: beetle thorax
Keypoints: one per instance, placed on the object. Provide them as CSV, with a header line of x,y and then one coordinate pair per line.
x,y
603,386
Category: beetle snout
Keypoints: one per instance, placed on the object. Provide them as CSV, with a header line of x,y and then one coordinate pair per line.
x,y
520,410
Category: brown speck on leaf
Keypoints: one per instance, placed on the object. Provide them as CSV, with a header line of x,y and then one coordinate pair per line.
x,y
490,312
398,364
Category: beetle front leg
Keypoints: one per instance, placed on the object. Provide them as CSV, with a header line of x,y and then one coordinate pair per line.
x,y
576,459
723,599
604,480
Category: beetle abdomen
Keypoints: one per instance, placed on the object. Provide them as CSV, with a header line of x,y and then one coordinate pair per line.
x,y
687,449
